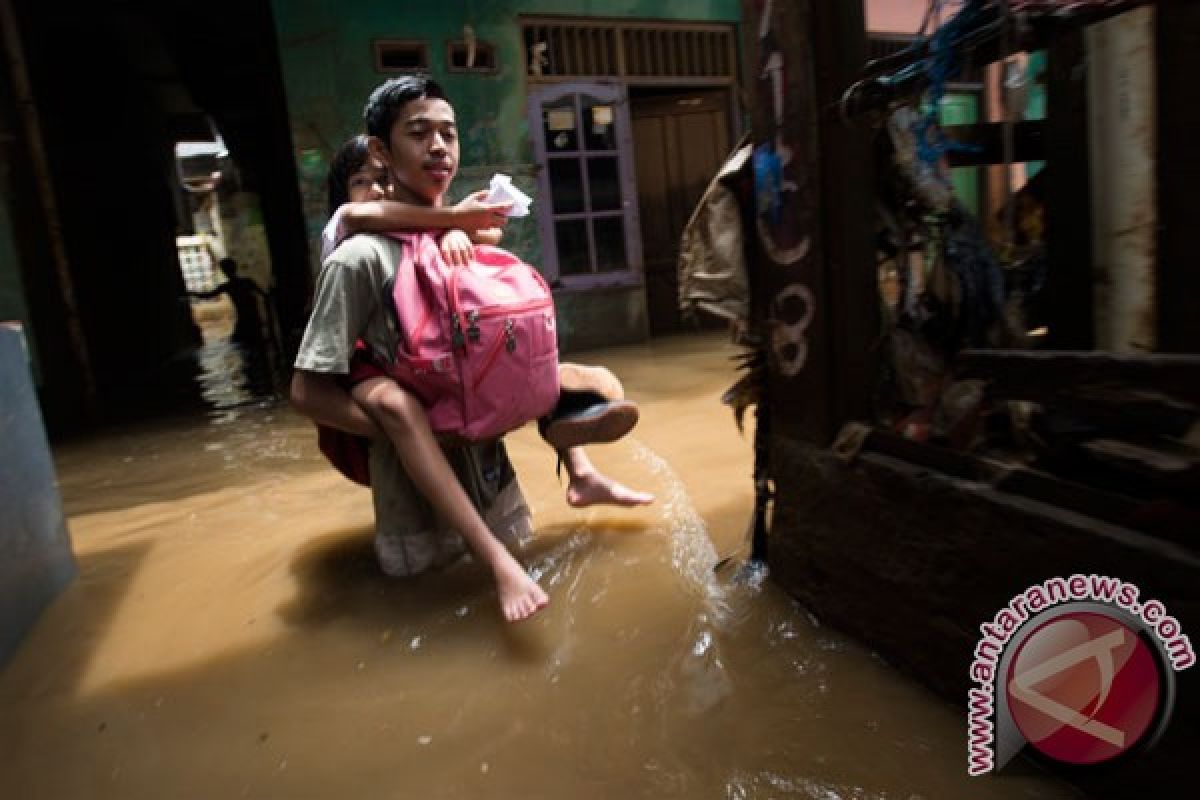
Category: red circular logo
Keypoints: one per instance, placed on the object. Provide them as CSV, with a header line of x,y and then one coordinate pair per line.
x,y
1083,688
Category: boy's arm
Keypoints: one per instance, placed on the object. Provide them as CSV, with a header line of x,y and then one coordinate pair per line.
x,y
348,294
318,396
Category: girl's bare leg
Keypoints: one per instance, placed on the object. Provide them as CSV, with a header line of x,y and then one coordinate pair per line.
x,y
588,486
404,421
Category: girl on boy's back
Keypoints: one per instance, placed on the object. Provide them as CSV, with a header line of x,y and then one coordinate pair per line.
x,y
592,409
414,141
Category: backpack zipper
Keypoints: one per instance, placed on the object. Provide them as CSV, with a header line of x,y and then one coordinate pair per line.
x,y
520,308
508,341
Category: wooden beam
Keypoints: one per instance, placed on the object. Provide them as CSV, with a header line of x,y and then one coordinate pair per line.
x,y
1066,303
788,277
991,40
1045,371
1178,55
847,215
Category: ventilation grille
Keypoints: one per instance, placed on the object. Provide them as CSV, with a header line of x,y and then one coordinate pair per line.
x,y
567,49
678,53
393,55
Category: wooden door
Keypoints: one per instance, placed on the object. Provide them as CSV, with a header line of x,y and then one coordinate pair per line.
x,y
680,141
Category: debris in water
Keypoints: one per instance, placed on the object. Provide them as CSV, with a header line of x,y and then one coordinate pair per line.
x,y
424,740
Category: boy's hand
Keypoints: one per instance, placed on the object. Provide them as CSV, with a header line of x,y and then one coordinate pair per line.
x,y
457,248
472,213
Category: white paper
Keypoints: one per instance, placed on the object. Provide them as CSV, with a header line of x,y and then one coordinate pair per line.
x,y
502,190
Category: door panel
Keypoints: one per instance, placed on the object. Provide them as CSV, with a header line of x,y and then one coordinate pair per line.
x,y
680,141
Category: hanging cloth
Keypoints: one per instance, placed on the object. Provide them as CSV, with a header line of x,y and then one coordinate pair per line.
x,y
712,259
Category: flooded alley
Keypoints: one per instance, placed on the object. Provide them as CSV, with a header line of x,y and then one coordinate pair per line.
x,y
230,635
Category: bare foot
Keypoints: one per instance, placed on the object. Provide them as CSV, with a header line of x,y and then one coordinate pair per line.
x,y
520,596
594,488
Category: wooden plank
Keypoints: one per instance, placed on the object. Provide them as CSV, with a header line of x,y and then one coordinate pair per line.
x,y
872,547
1045,371
1163,463
1126,409
1012,478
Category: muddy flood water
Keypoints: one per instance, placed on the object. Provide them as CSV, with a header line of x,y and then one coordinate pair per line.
x,y
229,635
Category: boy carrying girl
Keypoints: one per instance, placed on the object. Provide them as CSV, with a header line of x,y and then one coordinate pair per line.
x,y
423,494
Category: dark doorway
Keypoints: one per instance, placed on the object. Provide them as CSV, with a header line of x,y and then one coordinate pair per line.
x,y
115,85
680,140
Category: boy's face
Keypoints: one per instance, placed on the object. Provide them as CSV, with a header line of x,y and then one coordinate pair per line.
x,y
421,155
367,184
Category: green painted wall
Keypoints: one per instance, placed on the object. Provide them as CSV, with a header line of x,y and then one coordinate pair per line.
x,y
327,60
963,109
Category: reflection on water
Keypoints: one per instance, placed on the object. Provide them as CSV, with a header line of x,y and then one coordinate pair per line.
x,y
231,374
230,635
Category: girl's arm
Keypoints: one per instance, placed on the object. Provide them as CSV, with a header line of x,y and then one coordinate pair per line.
x,y
382,216
458,248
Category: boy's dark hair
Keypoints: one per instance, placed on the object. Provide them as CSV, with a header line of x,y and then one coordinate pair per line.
x,y
391,96
348,160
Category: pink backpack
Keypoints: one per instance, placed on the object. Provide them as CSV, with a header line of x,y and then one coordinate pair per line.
x,y
477,344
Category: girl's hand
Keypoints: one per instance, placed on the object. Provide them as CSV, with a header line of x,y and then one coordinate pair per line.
x,y
457,248
472,213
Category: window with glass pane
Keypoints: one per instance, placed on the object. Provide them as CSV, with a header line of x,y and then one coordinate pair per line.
x,y
604,183
573,258
568,186
584,174
600,124
609,233
559,125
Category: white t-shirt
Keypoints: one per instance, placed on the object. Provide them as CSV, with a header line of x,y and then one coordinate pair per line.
x,y
333,233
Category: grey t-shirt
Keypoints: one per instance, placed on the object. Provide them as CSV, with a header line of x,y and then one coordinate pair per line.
x,y
352,303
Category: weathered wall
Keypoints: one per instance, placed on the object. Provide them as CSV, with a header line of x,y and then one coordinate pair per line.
x,y
35,553
600,318
327,59
325,50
